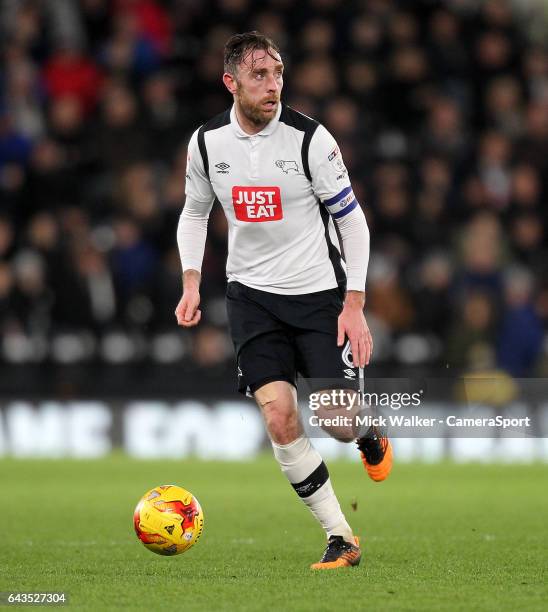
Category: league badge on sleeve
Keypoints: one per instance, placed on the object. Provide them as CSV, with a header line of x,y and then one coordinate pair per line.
x,y
336,160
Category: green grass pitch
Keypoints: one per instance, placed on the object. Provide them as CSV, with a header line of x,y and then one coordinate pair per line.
x,y
435,537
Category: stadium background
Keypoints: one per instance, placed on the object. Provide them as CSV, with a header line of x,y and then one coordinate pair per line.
x,y
440,109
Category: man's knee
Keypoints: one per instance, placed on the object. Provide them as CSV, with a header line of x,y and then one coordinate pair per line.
x,y
338,413
278,404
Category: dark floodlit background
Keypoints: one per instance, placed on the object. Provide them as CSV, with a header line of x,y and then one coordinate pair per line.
x,y
441,111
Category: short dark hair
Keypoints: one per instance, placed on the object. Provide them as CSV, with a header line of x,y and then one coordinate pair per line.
x,y
240,45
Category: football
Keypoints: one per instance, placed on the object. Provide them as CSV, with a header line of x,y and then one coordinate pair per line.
x,y
168,520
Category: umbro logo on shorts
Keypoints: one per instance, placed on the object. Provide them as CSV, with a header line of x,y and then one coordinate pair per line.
x,y
346,355
257,204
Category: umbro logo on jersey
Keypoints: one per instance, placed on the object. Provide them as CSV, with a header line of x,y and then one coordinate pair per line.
x,y
222,168
287,166
257,204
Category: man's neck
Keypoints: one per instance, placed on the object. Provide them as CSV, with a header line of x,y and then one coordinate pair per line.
x,y
248,126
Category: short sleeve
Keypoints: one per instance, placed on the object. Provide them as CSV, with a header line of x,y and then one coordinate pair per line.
x,y
198,186
330,180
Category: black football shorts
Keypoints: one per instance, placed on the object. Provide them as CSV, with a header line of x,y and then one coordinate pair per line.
x,y
277,337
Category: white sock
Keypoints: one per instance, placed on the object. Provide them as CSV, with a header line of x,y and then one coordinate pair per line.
x,y
307,473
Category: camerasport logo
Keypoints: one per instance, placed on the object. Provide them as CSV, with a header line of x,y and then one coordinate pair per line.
x,y
257,204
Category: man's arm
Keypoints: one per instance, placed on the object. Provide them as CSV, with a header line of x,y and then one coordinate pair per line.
x,y
192,233
355,243
332,186
191,238
187,312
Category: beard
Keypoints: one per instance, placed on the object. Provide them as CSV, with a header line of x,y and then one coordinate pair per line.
x,y
253,112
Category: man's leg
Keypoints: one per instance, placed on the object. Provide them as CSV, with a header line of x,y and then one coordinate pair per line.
x,y
374,446
306,471
265,350
321,358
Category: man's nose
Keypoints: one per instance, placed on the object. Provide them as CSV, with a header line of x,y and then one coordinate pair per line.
x,y
272,83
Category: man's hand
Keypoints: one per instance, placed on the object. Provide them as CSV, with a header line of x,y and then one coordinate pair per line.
x,y
187,312
352,323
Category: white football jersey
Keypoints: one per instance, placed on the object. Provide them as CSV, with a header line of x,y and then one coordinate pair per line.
x,y
280,190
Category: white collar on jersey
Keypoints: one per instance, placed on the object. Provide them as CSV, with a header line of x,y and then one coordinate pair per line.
x,y
270,127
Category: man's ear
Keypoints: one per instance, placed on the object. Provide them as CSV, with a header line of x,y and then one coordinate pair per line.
x,y
230,82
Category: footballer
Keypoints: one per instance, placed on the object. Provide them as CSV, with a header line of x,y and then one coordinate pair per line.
x,y
294,305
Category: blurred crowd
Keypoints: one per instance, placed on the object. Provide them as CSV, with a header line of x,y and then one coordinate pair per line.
x,y
440,109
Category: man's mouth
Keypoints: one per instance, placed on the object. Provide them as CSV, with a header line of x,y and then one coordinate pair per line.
x,y
270,104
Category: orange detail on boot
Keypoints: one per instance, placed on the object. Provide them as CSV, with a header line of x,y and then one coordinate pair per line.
x,y
380,471
349,558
